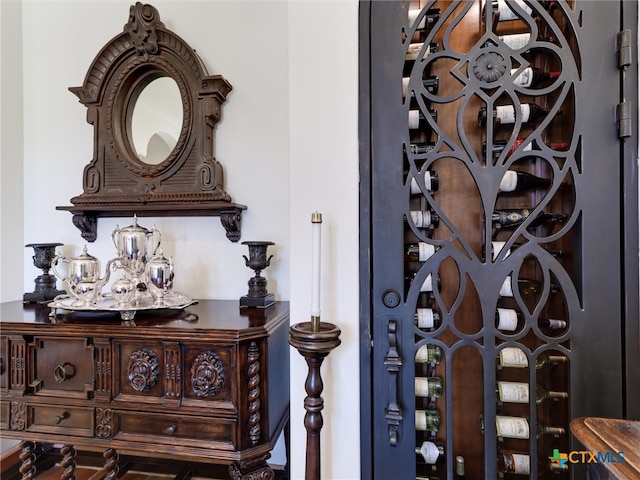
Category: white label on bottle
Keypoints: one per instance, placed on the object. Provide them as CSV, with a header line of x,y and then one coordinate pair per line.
x,y
528,147
421,420
516,41
421,219
525,78
521,464
509,181
557,323
414,119
513,357
415,188
507,14
413,14
414,49
506,114
497,247
507,319
512,427
405,86
526,112
427,286
425,318
506,290
514,392
430,452
425,250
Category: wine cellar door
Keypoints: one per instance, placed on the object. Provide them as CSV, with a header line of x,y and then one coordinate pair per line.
x,y
496,149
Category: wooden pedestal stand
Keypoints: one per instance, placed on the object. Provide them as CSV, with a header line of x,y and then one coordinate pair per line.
x,y
314,340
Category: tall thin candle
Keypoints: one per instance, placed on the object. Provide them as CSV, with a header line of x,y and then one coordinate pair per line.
x,y
316,223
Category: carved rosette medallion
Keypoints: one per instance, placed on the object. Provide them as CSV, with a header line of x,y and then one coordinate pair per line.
x,y
143,370
104,422
207,375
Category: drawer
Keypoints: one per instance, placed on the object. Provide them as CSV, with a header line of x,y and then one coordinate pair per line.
x,y
175,429
61,367
63,420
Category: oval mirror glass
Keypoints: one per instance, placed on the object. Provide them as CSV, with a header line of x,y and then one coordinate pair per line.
x,y
156,121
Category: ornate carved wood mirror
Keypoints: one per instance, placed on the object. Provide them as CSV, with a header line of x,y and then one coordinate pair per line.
x,y
153,107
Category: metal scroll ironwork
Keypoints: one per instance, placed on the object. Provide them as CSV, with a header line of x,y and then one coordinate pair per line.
x,y
471,147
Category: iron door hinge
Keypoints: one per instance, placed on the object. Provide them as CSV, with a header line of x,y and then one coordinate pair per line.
x,y
623,119
623,48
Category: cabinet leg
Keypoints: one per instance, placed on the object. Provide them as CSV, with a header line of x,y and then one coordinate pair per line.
x,y
68,462
111,464
253,469
28,458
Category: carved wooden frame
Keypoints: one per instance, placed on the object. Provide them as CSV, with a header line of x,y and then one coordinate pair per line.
x,y
189,182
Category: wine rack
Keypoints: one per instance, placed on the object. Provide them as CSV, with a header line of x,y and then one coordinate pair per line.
x,y
486,144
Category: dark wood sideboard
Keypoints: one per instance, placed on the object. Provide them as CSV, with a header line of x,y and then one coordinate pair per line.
x,y
207,384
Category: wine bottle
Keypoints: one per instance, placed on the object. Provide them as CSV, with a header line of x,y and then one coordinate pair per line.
x,y
513,217
514,181
511,462
418,121
552,323
430,83
546,359
429,353
460,468
431,181
508,319
506,114
427,420
519,464
428,387
514,357
421,251
427,21
527,287
504,12
497,247
428,284
518,392
431,451
413,52
518,427
532,77
422,148
425,218
427,318
518,41
498,146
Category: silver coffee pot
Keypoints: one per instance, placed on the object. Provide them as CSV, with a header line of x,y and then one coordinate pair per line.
x,y
135,244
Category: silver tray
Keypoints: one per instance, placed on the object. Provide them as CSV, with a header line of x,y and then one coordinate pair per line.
x,y
106,303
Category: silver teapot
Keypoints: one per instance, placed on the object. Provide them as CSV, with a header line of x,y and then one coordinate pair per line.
x,y
134,245
83,278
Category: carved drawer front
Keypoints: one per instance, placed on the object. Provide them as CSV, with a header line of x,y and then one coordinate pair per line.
x,y
174,429
211,374
143,369
63,420
61,367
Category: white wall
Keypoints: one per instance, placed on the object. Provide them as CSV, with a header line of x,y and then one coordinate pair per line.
x,y
288,142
